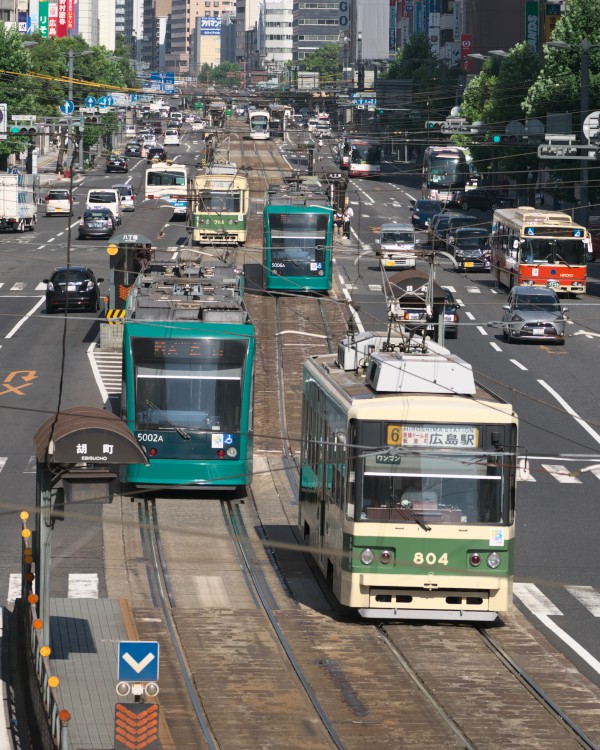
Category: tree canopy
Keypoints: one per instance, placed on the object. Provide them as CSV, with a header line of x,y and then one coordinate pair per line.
x,y
325,61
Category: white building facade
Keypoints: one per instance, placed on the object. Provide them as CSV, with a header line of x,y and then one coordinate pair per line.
x,y
275,33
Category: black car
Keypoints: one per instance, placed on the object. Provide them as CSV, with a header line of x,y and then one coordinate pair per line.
x,y
451,308
471,249
75,287
117,164
437,229
133,149
485,200
423,211
156,153
96,222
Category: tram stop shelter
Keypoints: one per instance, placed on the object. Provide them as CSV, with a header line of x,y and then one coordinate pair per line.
x,y
132,249
78,451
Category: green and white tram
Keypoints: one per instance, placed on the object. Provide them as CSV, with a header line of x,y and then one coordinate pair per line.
x,y
218,208
408,483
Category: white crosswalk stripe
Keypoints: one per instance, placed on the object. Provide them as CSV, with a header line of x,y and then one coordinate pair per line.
x,y
561,474
80,586
109,366
587,596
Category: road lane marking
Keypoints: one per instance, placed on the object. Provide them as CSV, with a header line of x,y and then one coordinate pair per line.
x,y
588,597
470,315
518,364
28,315
495,346
571,411
561,474
83,586
482,330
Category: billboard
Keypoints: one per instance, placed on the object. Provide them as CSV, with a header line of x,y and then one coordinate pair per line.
x,y
210,26
43,18
53,18
61,29
532,24
466,45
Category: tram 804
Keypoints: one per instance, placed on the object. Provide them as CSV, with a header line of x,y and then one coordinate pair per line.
x,y
188,353
298,232
408,480
218,208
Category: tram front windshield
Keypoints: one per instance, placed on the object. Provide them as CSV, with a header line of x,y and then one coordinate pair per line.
x,y
547,250
259,123
220,201
191,384
451,488
365,154
298,237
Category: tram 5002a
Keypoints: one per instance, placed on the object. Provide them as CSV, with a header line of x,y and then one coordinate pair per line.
x,y
408,480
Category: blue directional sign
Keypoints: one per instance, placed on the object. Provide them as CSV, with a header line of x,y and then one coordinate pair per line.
x,y
138,661
90,101
67,107
103,102
109,101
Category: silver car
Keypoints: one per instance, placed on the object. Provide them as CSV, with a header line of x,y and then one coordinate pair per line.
x,y
533,313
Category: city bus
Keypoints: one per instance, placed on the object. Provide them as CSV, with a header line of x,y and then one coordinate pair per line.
x,y
447,169
540,248
169,182
361,157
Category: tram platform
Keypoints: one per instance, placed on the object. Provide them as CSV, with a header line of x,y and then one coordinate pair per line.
x,y
84,638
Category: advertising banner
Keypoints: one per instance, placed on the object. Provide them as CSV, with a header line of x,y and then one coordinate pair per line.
x,y
552,16
22,23
52,18
404,9
392,45
532,24
70,14
466,45
61,29
43,18
210,26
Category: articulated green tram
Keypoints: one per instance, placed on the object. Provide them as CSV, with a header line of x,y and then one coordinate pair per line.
x,y
218,209
408,481
298,233
188,354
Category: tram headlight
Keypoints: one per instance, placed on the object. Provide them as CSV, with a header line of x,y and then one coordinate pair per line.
x,y
230,222
367,556
386,557
475,559
493,560
232,452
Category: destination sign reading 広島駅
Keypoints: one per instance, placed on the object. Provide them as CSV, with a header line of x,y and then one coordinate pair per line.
x,y
433,436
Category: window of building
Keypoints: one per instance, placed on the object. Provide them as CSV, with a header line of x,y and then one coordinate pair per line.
x,y
446,36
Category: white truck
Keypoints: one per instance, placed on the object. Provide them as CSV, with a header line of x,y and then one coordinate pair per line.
x,y
18,201
397,246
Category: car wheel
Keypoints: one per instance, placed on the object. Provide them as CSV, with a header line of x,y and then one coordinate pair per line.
x,y
465,205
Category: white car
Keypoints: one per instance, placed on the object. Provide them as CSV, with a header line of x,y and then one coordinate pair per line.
x,y
105,198
127,197
171,137
130,130
58,201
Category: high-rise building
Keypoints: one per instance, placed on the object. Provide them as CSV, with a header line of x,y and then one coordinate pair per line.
x,y
274,33
106,23
314,24
187,31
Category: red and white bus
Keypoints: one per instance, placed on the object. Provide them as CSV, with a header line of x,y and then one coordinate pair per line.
x,y
361,157
540,248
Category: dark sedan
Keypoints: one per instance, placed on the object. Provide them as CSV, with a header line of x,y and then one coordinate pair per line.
x,y
117,164
423,211
471,249
75,287
156,153
96,222
485,200
133,149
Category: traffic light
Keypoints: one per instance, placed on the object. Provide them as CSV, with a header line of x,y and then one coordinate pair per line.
x,y
434,124
92,119
505,139
25,130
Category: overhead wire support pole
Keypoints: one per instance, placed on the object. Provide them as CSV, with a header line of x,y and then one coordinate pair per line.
x,y
585,105
70,125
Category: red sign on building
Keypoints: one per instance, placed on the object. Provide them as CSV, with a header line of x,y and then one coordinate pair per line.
x,y
70,14
62,18
466,43
52,18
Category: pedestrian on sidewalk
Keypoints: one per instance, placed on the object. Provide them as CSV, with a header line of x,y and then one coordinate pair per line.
x,y
348,216
338,224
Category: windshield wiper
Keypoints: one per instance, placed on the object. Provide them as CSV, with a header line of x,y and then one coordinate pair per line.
x,y
563,260
178,430
408,509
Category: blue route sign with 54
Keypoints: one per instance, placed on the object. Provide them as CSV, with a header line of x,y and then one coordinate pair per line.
x,y
138,661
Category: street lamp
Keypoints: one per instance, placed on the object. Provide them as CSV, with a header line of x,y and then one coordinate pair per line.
x,y
584,198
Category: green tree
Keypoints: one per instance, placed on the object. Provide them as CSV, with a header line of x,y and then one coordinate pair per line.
x,y
16,90
325,61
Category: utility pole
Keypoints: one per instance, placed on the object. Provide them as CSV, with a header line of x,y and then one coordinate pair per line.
x,y
70,126
584,217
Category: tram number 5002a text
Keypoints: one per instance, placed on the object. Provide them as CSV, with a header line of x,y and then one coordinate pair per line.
x,y
430,558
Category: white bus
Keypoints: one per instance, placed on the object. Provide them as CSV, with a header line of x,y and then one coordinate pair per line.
x,y
259,124
169,182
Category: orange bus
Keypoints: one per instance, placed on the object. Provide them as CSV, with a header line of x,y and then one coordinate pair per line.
x,y
540,248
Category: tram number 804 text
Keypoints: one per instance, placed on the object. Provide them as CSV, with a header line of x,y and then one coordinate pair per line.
x,y
430,558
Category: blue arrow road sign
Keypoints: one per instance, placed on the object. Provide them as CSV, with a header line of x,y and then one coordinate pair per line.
x,y
138,661
90,101
103,101
67,107
109,101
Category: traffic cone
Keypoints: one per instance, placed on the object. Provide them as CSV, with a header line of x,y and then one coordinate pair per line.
x,y
67,173
58,175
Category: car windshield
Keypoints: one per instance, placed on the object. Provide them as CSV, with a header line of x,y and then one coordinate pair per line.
x,y
536,303
397,238
472,242
427,206
123,190
93,215
463,222
101,198
58,195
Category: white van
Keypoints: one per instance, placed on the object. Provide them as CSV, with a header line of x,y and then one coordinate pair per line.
x,y
397,245
105,198
171,137
58,201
